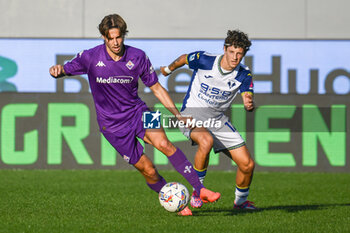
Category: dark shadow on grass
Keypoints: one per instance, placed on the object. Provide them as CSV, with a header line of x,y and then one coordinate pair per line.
x,y
286,208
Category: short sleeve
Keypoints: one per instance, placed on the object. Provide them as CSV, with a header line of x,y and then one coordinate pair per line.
x,y
193,59
247,84
200,60
148,74
78,65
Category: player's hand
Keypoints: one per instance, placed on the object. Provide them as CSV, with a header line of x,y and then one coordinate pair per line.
x,y
56,71
162,69
248,101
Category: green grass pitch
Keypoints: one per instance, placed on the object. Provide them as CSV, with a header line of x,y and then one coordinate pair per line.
x,y
120,201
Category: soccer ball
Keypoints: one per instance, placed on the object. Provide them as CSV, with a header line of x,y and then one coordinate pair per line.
x,y
174,197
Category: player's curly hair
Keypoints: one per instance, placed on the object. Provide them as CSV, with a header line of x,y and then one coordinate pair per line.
x,y
238,39
112,21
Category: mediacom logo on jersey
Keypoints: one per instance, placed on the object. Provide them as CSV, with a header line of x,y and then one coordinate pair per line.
x,y
115,79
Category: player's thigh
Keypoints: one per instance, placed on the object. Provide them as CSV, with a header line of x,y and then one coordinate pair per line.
x,y
158,139
154,135
202,137
129,148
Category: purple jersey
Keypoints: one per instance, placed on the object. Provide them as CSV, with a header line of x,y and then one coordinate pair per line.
x,y
114,85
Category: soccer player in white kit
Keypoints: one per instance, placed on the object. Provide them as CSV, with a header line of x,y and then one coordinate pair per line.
x,y
215,82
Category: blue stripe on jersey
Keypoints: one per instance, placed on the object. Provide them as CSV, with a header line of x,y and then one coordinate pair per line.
x,y
197,60
188,91
230,126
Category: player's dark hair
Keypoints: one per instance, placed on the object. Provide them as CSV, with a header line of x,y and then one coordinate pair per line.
x,y
112,21
238,39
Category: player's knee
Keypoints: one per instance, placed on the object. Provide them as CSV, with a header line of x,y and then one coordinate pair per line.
x,y
251,165
165,146
248,167
150,172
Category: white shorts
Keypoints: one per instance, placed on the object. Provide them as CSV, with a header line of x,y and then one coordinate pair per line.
x,y
225,135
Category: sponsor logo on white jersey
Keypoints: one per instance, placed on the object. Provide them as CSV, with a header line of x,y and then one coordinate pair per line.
x,y
100,64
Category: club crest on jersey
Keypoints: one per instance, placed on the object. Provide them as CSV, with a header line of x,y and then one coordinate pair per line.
x,y
130,65
231,84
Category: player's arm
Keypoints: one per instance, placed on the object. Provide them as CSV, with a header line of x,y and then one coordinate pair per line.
x,y
77,66
163,96
179,62
57,71
247,91
248,101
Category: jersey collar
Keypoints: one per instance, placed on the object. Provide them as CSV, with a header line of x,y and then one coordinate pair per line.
x,y
109,58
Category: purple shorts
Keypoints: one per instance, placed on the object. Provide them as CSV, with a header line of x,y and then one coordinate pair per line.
x,y
128,145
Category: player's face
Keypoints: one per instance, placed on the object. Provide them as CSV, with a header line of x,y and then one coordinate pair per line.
x,y
232,57
115,42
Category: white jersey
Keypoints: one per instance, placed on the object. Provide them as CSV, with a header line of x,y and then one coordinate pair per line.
x,y
211,90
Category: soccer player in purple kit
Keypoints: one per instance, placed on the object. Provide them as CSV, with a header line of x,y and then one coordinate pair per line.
x,y
113,70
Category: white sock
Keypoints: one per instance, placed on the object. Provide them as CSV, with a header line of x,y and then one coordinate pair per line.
x,y
241,195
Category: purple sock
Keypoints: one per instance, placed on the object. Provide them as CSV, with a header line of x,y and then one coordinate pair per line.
x,y
185,168
157,186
